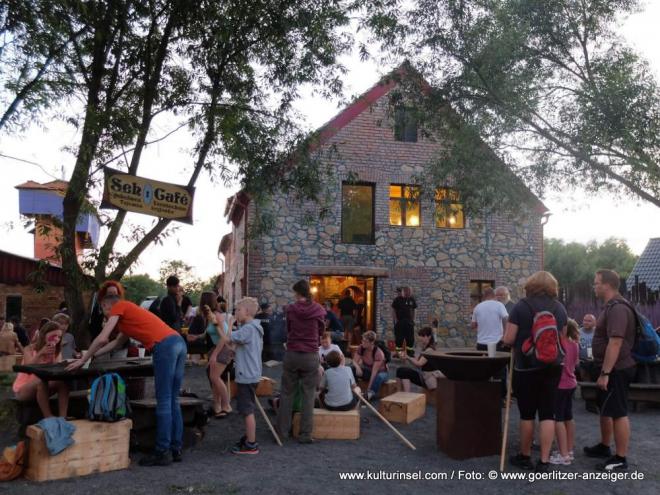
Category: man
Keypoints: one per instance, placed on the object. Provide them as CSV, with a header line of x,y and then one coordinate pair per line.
x,y
347,309
613,341
403,314
587,335
489,319
170,306
502,295
332,323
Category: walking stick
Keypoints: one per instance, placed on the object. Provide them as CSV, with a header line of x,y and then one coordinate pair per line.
x,y
263,413
373,409
507,409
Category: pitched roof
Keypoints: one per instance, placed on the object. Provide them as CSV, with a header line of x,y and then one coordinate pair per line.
x,y
647,267
54,185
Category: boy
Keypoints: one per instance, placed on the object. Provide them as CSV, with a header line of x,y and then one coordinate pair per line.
x,y
248,340
338,386
326,348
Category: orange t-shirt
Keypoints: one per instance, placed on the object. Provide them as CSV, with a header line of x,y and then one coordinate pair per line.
x,y
140,324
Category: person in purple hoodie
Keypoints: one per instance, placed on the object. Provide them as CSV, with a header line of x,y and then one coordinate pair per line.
x,y
305,323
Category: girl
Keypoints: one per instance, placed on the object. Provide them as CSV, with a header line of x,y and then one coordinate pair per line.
x,y
46,350
418,374
564,424
221,356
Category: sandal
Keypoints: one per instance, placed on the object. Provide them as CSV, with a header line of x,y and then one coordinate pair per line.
x,y
220,415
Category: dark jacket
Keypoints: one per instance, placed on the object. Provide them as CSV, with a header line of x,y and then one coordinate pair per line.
x,y
170,312
305,323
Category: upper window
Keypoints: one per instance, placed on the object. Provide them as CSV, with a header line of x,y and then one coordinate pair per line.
x,y
405,124
448,209
357,213
477,290
405,206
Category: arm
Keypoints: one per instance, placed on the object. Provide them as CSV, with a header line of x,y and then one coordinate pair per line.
x,y
112,345
378,364
18,345
421,361
611,355
394,316
99,342
510,334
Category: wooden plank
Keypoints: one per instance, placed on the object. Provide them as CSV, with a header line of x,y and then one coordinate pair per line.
x,y
332,425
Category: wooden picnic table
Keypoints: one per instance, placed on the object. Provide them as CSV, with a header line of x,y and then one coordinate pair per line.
x,y
126,367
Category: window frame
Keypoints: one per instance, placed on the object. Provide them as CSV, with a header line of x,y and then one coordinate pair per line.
x,y
404,117
447,205
372,185
481,285
402,202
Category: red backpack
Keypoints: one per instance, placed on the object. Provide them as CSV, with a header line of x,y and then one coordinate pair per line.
x,y
543,347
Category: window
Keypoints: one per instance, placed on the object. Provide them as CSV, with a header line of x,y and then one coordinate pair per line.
x,y
477,290
405,206
357,213
405,125
14,307
448,209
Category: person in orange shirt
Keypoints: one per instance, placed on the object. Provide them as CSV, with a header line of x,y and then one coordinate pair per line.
x,y
169,359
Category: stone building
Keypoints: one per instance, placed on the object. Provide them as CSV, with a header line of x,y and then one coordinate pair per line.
x,y
376,233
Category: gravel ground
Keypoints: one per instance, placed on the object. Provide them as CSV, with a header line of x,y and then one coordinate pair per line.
x,y
210,468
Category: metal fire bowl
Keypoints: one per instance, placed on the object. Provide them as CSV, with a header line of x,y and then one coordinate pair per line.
x,y
466,364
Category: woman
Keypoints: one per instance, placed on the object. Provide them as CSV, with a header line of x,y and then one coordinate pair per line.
x,y
9,343
369,364
46,350
96,319
419,374
534,386
214,323
305,321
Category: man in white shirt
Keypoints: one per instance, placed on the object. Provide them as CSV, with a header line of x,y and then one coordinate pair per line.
x,y
489,319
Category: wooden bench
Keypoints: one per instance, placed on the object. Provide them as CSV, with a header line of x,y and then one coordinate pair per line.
x,y
98,447
28,413
143,433
638,392
332,425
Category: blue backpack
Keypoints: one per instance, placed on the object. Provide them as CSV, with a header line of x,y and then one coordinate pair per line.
x,y
107,398
647,341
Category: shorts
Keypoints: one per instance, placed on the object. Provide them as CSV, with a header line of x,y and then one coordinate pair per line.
x,y
613,402
564,404
245,398
535,392
225,356
346,407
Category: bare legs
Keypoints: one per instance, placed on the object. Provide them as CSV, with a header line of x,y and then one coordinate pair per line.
x,y
218,387
41,391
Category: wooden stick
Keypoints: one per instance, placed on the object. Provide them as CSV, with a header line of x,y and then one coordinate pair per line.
x,y
373,409
263,413
507,410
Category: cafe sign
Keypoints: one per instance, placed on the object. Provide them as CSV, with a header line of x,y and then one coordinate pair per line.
x,y
123,191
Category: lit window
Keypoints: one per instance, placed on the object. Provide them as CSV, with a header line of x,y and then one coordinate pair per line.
x,y
357,214
405,125
448,209
405,207
477,290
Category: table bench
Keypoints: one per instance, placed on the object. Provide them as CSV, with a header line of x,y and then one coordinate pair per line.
x,y
28,412
639,392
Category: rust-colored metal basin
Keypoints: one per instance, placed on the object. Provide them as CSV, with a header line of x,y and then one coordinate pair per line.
x,y
466,364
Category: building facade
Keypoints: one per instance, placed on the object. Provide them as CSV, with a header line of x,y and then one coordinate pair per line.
x,y
376,233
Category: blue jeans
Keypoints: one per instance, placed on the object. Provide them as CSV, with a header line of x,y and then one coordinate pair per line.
x,y
169,358
381,377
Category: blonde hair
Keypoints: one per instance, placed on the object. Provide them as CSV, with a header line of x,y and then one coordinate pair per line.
x,y
542,284
61,318
573,330
7,327
250,303
369,336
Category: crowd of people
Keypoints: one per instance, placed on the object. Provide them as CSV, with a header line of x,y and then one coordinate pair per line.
x,y
314,366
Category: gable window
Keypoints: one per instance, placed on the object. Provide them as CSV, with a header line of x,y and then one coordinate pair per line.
x,y
405,124
448,209
477,290
405,208
357,213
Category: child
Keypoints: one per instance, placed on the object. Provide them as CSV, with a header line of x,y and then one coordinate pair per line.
x,y
338,385
68,341
9,343
326,348
46,350
248,340
564,424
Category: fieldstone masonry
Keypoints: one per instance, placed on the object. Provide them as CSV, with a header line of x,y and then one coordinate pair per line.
x,y
437,263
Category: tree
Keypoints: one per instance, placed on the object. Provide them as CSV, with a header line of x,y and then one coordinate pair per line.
x,y
549,83
139,287
227,72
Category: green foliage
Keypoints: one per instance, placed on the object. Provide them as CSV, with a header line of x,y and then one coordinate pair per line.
x,y
550,86
192,285
139,287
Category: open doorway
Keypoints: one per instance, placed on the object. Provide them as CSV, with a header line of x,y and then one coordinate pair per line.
x,y
363,291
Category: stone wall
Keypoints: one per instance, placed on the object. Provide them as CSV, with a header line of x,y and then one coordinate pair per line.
x,y
34,305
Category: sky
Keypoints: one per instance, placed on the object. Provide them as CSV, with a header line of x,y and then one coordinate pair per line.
x,y
575,216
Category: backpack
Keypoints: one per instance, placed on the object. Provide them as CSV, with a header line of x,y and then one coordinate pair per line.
x,y
647,341
107,399
386,352
12,462
543,347
154,307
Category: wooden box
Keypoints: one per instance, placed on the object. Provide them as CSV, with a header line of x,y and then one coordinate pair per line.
x,y
7,362
332,425
388,388
98,447
264,389
403,407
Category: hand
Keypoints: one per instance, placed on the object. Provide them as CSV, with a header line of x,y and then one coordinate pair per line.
x,y
78,363
191,338
602,382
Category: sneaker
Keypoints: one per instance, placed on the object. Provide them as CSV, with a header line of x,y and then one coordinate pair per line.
x,y
542,467
521,461
177,455
156,459
240,443
598,450
370,394
571,454
247,448
614,463
559,460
